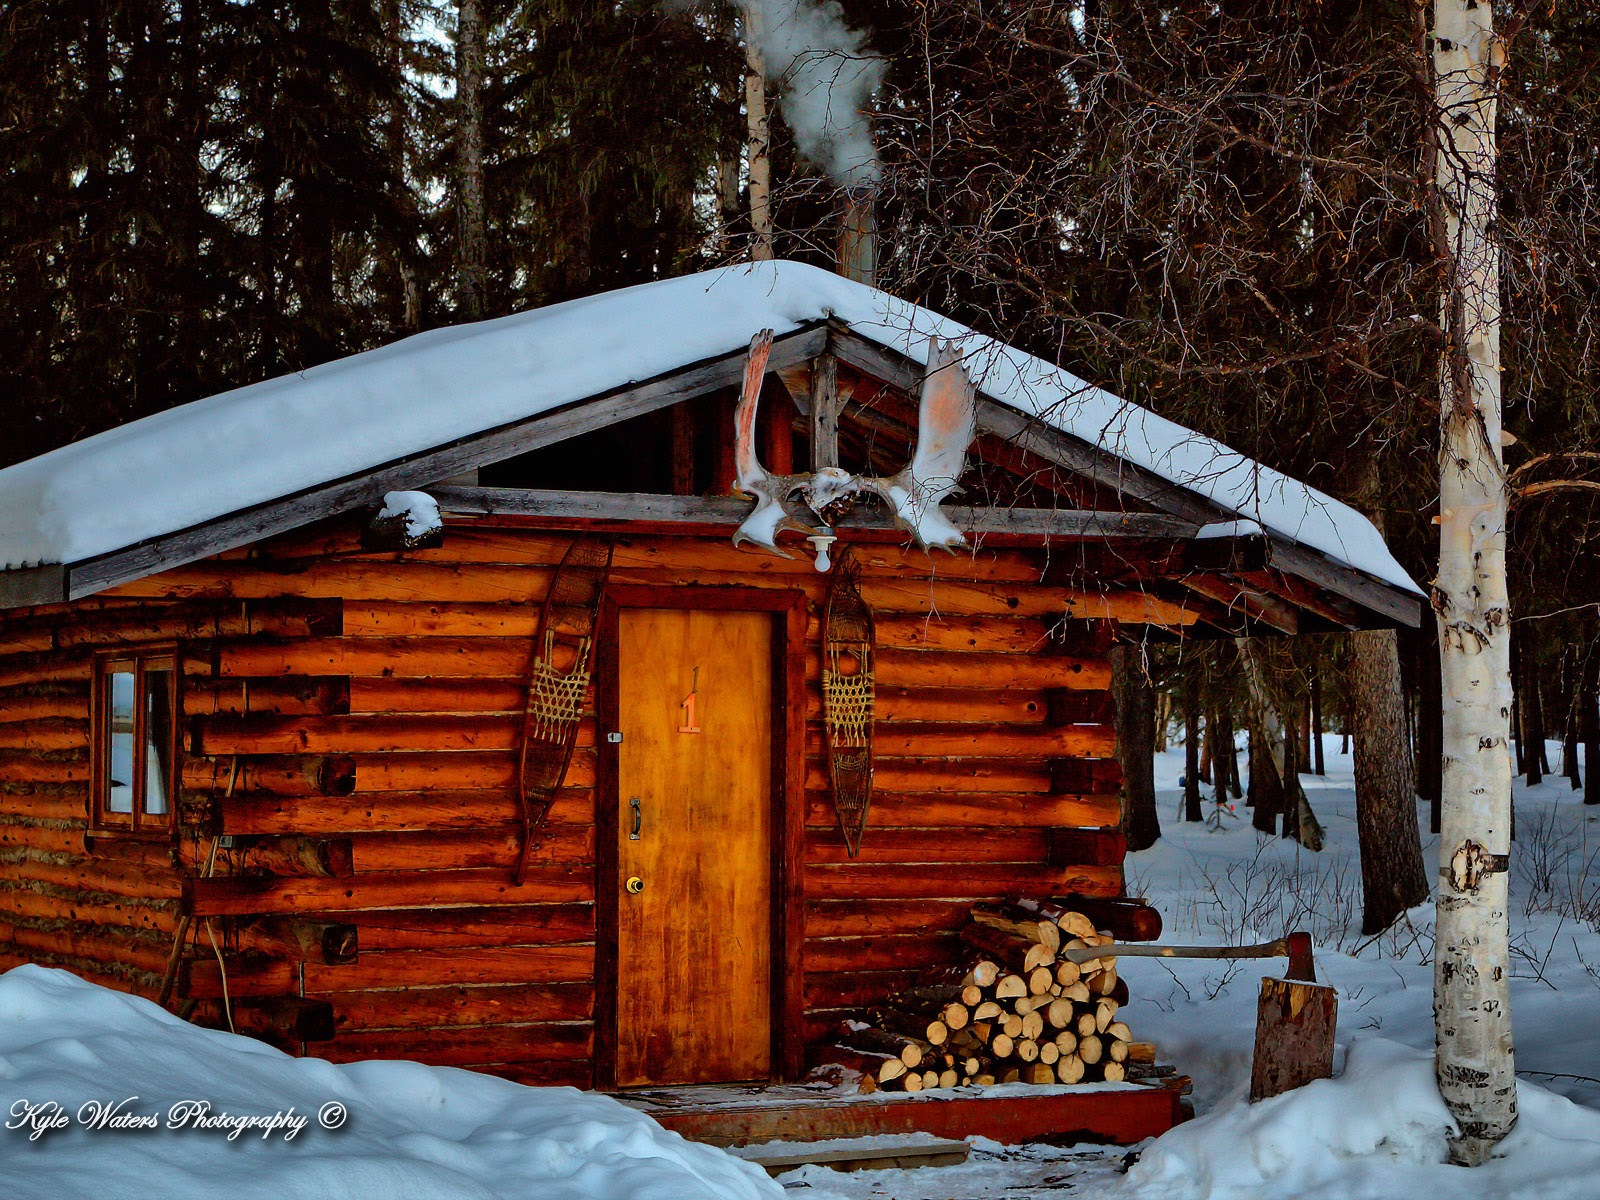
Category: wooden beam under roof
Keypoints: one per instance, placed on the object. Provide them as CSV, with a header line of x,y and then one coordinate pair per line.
x,y
726,512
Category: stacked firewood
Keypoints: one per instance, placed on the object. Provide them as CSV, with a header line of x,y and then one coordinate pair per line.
x,y
1015,1012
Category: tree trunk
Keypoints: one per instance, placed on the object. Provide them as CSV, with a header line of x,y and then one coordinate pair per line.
x,y
1276,743
1569,727
1392,875
1136,724
1227,768
1191,759
759,135
1533,716
1519,756
1320,764
1472,970
1589,724
471,251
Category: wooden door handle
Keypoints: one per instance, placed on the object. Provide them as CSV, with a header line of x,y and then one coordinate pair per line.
x,y
638,818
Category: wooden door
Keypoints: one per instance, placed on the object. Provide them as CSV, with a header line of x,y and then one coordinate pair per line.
x,y
694,778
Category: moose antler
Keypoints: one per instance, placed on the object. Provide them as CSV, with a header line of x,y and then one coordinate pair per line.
x,y
947,420
770,491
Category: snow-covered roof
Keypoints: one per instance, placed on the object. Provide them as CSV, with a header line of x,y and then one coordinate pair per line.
x,y
257,444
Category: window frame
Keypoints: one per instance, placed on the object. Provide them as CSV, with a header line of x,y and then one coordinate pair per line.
x,y
138,661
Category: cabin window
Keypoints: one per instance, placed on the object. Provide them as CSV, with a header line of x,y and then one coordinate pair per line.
x,y
135,742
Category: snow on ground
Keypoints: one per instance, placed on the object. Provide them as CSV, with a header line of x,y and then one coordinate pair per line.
x,y
1377,1130
1374,1132
396,1131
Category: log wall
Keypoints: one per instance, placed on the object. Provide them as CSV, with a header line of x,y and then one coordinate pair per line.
x,y
349,745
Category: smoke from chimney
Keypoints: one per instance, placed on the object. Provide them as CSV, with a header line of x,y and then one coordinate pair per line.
x,y
827,78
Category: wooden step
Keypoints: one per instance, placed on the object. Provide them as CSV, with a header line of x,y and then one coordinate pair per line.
x,y
877,1153
739,1115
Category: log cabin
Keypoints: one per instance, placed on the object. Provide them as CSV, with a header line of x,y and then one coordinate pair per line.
x,y
535,770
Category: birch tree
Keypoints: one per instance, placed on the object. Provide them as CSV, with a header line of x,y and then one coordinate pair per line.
x,y
1471,969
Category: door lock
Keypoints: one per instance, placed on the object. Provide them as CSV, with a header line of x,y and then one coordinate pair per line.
x,y
635,885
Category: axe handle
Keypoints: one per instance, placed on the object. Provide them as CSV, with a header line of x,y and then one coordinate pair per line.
x,y
1296,947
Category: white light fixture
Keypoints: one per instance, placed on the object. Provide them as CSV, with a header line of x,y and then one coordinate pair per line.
x,y
820,543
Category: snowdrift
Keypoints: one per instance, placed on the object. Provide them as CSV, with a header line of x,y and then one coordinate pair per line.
x,y
1375,1132
409,1132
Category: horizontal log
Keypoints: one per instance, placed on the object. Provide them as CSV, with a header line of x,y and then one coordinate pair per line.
x,y
246,895
101,943
461,770
902,846
468,1046
390,619
571,963
415,1008
116,976
50,733
201,977
1090,847
1064,706
490,845
284,1018
329,943
394,657
992,741
282,617
931,668
1013,600
1076,775
933,880
109,878
295,695
288,775
53,766
45,801
55,838
830,992
30,899
295,855
844,918
363,733
484,694
392,811
45,667
443,928
880,953
25,637
904,631
44,701
1011,706
970,809
950,776
349,579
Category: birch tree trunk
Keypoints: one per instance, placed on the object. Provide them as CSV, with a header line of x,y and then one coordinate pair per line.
x,y
1472,1012
471,253
759,135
